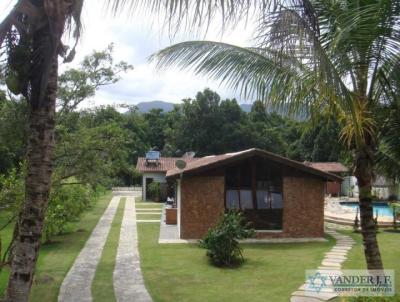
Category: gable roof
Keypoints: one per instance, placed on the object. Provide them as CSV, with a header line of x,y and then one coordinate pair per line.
x,y
164,164
332,167
213,161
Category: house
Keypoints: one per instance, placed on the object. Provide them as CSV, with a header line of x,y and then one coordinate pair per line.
x,y
282,198
154,168
383,188
332,188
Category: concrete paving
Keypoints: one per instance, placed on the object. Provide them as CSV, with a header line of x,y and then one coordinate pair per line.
x,y
128,278
78,282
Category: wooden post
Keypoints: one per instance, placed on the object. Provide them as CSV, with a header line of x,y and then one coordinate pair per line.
x,y
254,182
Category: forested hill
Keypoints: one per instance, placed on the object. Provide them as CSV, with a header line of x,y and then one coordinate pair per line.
x,y
145,107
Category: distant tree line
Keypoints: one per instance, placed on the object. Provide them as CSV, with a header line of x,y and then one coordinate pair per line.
x,y
101,145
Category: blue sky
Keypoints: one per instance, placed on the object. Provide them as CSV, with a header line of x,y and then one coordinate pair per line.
x,y
136,37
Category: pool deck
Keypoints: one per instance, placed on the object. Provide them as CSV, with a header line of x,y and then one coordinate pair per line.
x,y
335,211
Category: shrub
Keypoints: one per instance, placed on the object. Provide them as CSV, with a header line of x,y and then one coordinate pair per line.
x,y
154,191
222,242
67,202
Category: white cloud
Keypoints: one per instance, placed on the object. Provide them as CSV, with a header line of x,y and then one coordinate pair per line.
x,y
136,37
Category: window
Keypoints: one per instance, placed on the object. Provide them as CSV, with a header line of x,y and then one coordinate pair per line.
x,y
262,199
232,199
246,199
267,185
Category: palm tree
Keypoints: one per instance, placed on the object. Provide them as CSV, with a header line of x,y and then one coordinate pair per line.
x,y
30,41
339,57
30,37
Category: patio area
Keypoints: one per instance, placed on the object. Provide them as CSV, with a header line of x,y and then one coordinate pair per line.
x,y
335,212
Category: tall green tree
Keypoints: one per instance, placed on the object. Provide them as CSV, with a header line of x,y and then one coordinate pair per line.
x,y
339,57
31,37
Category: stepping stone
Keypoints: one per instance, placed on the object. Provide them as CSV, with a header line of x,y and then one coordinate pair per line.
x,y
335,257
327,289
336,254
329,270
330,263
148,209
309,295
334,260
341,248
303,299
150,221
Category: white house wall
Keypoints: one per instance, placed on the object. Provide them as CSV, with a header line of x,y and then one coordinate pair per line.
x,y
157,177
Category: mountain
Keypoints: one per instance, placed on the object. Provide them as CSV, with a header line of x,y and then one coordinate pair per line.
x,y
144,107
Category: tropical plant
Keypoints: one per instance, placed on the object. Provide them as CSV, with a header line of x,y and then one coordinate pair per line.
x,y
337,57
222,243
31,42
154,191
30,36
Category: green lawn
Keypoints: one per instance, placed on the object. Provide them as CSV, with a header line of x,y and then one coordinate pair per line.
x,y
181,272
56,258
389,244
102,287
140,204
148,217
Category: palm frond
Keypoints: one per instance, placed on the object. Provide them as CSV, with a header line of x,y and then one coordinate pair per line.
x,y
190,14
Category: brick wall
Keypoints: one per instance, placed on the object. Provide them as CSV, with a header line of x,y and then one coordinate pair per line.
x,y
303,214
202,203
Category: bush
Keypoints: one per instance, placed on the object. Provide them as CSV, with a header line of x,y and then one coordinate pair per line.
x,y
154,191
67,202
222,243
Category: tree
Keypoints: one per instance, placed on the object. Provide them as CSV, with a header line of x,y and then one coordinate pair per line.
x,y
335,57
31,37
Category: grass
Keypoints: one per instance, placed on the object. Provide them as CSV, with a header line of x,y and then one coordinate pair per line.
x,y
102,287
6,237
148,217
56,258
181,272
389,244
140,204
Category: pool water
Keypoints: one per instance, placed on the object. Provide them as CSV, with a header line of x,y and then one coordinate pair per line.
x,y
381,209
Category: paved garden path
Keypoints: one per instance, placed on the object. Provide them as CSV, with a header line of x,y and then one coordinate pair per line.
x,y
127,276
331,265
128,279
77,284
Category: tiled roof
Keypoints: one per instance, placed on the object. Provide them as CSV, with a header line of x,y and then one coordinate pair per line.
x,y
164,164
209,162
332,167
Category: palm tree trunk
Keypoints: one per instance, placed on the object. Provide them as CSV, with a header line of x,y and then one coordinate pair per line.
x,y
363,173
38,184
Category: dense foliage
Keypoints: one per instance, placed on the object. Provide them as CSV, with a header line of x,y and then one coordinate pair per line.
x,y
222,242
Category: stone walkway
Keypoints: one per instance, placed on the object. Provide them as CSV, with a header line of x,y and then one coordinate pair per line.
x,y
127,276
128,279
77,284
331,265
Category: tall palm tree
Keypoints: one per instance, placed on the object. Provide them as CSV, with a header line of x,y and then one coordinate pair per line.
x,y
30,37
30,41
340,57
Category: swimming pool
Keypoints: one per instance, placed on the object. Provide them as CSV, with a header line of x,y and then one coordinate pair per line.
x,y
382,209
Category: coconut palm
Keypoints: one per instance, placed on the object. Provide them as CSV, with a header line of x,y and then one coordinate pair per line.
x,y
339,57
30,37
30,43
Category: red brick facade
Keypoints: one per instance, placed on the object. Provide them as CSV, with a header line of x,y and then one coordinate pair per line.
x,y
303,207
202,203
